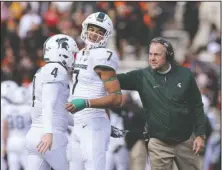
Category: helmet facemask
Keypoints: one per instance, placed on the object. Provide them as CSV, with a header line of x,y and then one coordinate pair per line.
x,y
71,63
68,62
100,40
93,39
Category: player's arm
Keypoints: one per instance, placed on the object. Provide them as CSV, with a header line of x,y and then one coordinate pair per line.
x,y
111,84
5,135
50,94
113,99
105,65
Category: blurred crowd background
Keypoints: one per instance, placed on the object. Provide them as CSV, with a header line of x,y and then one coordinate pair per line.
x,y
192,27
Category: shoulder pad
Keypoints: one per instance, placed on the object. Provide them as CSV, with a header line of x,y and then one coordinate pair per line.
x,y
7,110
54,72
104,57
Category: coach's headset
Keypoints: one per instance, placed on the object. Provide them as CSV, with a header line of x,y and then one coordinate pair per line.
x,y
167,45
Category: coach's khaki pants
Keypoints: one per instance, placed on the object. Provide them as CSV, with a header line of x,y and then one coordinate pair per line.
x,y
138,156
162,155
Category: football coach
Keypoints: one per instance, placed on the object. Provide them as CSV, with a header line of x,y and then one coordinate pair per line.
x,y
174,109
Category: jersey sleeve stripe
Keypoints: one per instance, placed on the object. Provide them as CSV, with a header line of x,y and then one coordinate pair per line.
x,y
105,68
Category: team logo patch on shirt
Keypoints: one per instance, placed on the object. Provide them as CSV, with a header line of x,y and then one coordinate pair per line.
x,y
179,85
83,66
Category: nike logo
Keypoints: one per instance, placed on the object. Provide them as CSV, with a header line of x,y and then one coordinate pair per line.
x,y
84,126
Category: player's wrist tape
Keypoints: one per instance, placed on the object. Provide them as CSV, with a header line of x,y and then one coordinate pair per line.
x,y
80,103
89,105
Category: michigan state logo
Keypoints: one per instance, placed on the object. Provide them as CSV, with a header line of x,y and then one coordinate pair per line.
x,y
62,43
101,17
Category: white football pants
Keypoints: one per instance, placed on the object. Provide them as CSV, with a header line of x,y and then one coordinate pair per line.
x,y
56,158
89,144
16,161
17,153
3,164
120,160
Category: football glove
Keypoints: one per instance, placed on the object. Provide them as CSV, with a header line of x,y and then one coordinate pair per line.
x,y
117,133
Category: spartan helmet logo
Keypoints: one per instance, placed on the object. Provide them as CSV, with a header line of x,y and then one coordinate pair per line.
x,y
101,17
62,43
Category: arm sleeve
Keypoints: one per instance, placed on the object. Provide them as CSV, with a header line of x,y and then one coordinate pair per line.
x,y
50,93
129,81
197,107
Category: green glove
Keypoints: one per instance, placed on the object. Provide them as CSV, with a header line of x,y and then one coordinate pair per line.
x,y
80,104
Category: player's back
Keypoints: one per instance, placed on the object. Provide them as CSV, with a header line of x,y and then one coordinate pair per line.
x,y
87,83
51,73
19,121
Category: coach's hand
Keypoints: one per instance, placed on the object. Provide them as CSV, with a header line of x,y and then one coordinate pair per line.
x,y
76,105
45,143
198,144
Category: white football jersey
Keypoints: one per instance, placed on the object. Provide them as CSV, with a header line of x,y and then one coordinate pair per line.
x,y
87,83
51,73
19,122
5,103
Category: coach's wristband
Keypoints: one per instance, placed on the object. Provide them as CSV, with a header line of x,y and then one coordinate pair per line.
x,y
80,104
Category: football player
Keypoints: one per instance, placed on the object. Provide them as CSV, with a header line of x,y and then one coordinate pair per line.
x,y
16,123
95,88
7,95
46,141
